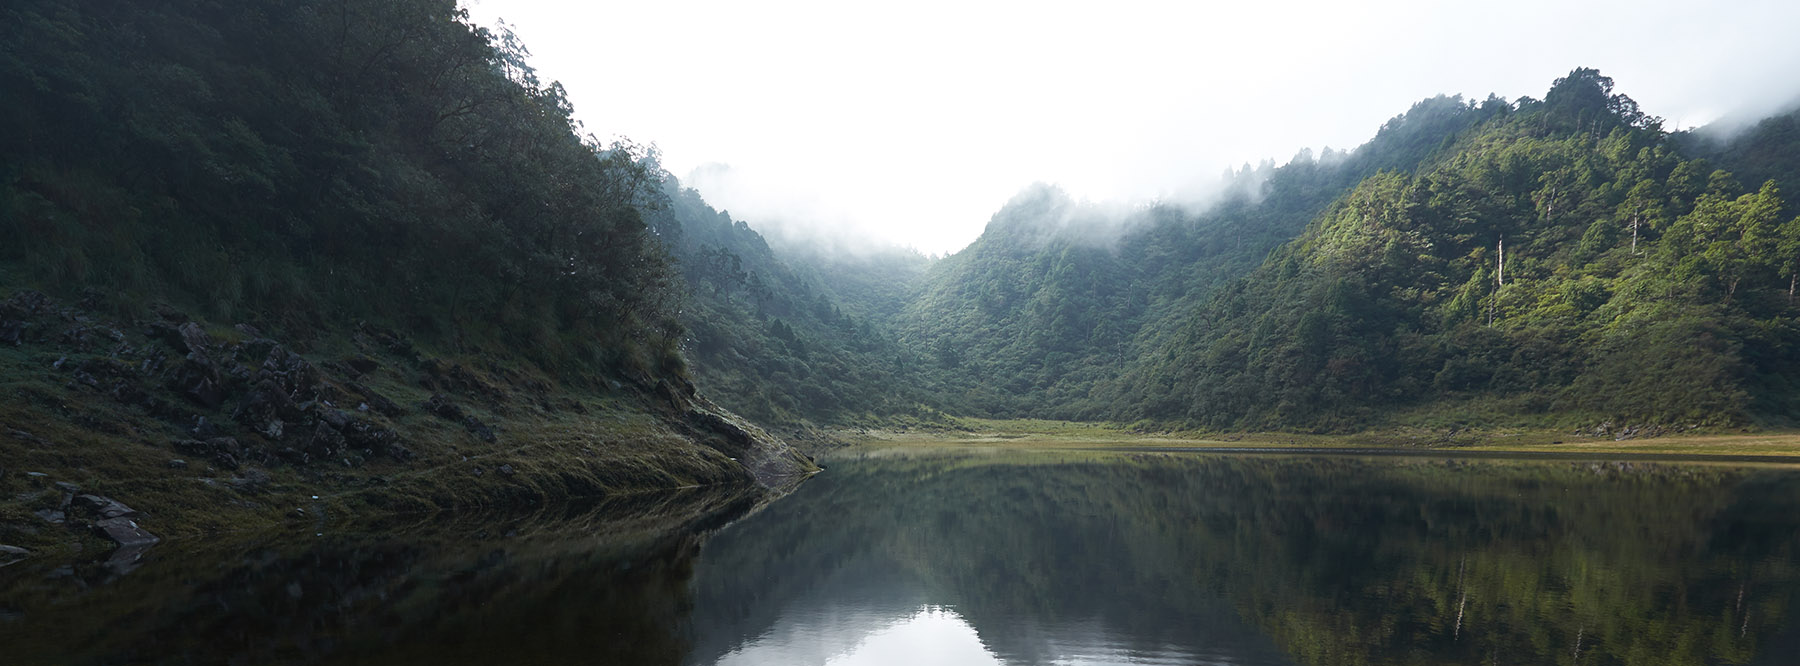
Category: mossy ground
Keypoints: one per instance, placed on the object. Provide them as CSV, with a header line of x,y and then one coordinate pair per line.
x,y
550,442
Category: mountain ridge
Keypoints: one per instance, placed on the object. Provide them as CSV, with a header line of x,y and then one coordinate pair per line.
x,y
1065,310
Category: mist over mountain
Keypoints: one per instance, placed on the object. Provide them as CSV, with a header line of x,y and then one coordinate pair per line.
x,y
1055,296
351,281
1756,151
1366,287
785,338
297,237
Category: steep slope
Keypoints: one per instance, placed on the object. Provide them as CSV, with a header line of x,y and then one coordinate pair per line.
x,y
1767,150
318,247
874,282
771,338
1055,298
1561,262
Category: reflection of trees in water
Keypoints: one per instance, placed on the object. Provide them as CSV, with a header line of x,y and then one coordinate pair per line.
x,y
1328,561
595,584
1339,561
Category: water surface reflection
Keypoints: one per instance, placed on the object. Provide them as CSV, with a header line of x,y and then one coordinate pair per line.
x,y
588,583
1196,559
969,557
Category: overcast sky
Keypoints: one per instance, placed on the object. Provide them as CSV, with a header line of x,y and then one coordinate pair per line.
x,y
912,122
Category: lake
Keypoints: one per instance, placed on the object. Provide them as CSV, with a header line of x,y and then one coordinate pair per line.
x,y
952,556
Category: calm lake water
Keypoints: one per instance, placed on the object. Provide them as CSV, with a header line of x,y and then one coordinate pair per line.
x,y
970,557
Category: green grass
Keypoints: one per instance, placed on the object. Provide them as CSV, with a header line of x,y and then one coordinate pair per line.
x,y
1044,434
553,442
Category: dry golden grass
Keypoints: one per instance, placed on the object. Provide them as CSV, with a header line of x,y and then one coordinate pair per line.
x,y
1039,434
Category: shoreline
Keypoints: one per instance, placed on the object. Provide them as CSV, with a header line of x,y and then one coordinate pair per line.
x,y
1771,446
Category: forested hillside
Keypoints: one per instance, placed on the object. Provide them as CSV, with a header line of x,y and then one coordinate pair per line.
x,y
285,234
1561,260
1767,150
1057,297
298,164
771,338
272,249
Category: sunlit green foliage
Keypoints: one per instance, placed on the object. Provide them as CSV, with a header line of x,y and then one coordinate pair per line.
x,y
1562,255
306,164
1040,315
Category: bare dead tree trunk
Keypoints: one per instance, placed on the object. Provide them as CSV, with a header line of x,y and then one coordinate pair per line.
x,y
1500,265
1635,219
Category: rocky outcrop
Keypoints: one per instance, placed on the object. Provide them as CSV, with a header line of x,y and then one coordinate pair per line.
x,y
63,504
287,408
440,405
225,452
253,424
769,460
125,532
17,315
104,507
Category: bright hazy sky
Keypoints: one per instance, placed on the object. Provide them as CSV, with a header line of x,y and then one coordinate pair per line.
x,y
913,122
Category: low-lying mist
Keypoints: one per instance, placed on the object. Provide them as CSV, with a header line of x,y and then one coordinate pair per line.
x,y
811,223
806,223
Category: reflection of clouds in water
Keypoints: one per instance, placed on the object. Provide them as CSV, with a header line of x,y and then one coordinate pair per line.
x,y
935,635
931,635
1064,558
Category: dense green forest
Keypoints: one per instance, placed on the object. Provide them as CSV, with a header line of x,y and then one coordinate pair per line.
x,y
1048,304
1560,258
1560,262
1056,297
1767,150
300,164
768,336
283,262
271,249
309,168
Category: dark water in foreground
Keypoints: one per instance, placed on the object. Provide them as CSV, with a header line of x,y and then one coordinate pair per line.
x,y
972,558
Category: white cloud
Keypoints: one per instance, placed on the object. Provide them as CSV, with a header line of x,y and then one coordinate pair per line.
x,y
913,122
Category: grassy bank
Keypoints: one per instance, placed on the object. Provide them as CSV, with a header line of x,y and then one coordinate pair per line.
x,y
1041,434
199,429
